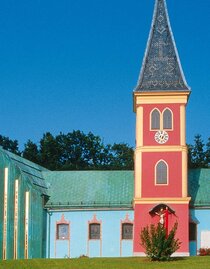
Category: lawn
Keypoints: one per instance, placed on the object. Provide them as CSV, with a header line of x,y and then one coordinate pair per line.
x,y
107,263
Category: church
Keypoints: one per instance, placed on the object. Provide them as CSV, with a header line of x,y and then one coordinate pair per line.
x,y
58,214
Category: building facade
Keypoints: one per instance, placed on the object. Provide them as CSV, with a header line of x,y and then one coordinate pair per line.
x,y
160,100
101,213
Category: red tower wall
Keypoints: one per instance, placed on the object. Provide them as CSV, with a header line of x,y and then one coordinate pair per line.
x,y
174,134
174,186
143,218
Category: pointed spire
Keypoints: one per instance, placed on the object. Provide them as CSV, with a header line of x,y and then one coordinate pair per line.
x,y
161,69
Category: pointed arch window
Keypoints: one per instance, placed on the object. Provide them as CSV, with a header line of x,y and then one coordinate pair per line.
x,y
167,119
94,229
62,229
161,172
155,120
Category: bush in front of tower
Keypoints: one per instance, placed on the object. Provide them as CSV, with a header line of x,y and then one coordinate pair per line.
x,y
157,244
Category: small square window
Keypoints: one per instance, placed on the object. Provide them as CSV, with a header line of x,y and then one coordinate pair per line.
x,y
94,231
62,231
127,231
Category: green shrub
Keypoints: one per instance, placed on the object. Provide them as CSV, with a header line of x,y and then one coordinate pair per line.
x,y
157,244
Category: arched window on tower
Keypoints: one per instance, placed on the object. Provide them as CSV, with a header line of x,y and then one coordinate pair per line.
x,y
155,120
161,172
167,119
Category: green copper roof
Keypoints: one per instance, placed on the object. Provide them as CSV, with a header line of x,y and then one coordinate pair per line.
x,y
30,170
90,189
161,69
199,187
114,189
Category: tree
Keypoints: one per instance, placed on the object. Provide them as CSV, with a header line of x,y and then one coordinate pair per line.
x,y
50,152
87,151
78,151
207,153
122,157
198,157
74,151
158,246
31,152
9,144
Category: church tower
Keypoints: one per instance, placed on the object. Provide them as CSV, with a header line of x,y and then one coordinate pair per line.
x,y
160,100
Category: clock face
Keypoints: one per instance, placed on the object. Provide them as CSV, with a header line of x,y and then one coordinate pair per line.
x,y
161,137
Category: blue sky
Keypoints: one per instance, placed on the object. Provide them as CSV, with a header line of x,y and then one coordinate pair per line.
x,y
73,64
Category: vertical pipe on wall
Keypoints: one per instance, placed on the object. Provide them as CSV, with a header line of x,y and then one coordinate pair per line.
x,y
138,153
139,126
26,222
5,214
182,125
49,227
138,174
16,220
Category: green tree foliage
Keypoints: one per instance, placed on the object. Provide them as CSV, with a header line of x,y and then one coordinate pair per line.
x,y
121,156
208,152
199,153
31,152
158,246
9,144
49,152
78,151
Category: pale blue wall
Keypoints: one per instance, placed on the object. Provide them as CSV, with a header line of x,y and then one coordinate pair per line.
x,y
111,238
202,216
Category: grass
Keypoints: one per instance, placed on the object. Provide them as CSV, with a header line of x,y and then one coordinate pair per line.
x,y
107,263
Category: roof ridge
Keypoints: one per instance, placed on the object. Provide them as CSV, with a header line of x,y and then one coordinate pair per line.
x,y
24,161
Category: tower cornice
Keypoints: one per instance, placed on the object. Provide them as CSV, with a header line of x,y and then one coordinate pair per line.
x,y
163,97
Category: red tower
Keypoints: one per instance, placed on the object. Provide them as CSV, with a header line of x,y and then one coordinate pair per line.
x,y
160,100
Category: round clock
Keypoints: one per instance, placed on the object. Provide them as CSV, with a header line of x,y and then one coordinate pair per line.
x,y
161,137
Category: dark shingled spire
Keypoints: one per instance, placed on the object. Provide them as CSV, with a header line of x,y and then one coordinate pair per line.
x,y
161,69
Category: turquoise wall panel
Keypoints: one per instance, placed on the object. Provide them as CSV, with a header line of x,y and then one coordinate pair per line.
x,y
110,244
1,209
193,248
37,235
